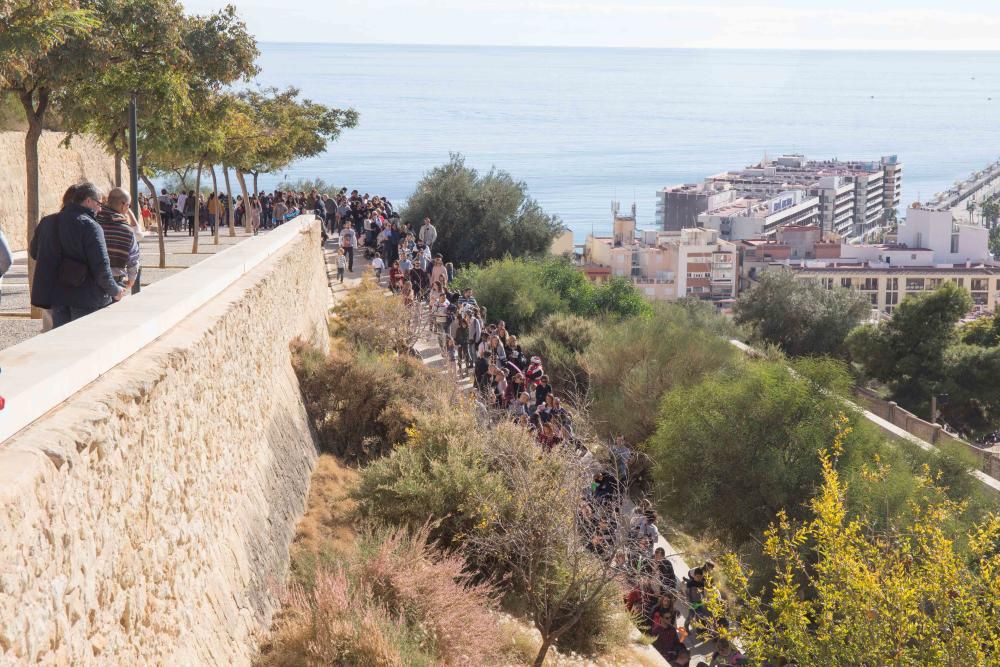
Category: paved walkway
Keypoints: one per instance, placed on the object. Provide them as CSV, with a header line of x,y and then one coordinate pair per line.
x,y
16,324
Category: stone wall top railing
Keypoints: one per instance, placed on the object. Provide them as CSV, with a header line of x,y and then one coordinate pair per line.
x,y
39,374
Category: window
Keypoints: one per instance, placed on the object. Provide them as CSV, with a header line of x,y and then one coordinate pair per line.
x,y
959,281
828,282
979,285
892,284
934,283
845,282
914,284
870,284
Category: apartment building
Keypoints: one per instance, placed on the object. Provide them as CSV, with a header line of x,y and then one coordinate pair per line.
x,y
664,265
854,197
929,249
751,217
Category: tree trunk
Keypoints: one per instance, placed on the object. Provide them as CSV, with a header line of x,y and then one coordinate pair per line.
x,y
255,190
241,179
159,220
197,208
118,168
35,115
215,192
542,652
231,205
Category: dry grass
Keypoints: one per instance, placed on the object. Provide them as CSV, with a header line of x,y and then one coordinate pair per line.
x,y
395,601
327,529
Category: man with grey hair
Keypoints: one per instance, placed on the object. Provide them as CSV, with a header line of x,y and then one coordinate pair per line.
x,y
73,273
119,237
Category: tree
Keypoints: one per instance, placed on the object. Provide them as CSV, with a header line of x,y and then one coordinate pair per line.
x,y
995,241
990,210
523,291
29,29
972,391
44,47
982,331
631,364
537,534
843,594
907,352
800,316
282,129
740,445
480,217
148,61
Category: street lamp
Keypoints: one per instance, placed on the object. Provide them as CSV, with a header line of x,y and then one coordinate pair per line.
x,y
133,156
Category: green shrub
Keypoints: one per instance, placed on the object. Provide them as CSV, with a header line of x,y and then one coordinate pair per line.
x,y
437,476
740,445
560,341
523,292
631,364
800,316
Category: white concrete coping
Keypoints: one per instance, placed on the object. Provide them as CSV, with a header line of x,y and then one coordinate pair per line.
x,y
42,372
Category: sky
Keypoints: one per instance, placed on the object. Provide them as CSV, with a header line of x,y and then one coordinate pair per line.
x,y
760,24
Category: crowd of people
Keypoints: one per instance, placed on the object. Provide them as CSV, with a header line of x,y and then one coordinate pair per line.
x,y
88,254
511,383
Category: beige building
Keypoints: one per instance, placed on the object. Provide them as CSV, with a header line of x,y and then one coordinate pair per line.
x,y
929,250
664,266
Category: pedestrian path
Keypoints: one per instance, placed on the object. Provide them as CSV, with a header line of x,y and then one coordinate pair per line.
x,y
429,350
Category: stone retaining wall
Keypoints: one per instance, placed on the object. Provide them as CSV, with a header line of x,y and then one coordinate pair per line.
x,y
146,521
58,168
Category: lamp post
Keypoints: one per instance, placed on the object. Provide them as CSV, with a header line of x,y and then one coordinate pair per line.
x,y
133,156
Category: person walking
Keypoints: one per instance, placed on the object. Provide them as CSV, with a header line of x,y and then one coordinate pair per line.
x,y
428,233
190,202
73,273
120,239
341,264
348,241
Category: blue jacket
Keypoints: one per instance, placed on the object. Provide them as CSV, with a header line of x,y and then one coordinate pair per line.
x,y
73,233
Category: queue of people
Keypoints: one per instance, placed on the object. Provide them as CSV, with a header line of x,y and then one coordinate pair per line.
x,y
511,384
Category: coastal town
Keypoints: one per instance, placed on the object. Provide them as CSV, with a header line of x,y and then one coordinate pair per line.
x,y
831,222
411,415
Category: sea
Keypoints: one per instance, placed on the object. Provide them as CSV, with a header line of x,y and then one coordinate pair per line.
x,y
584,127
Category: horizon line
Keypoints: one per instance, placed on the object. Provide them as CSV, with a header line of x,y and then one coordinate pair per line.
x,y
636,48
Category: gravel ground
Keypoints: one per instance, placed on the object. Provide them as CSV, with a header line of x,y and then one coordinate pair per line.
x,y
16,324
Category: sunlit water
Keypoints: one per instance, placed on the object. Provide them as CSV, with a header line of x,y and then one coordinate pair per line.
x,y
584,126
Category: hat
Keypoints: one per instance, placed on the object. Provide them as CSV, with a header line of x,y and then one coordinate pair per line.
x,y
536,360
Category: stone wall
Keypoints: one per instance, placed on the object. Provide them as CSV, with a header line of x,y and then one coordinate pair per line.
x,y
58,169
146,521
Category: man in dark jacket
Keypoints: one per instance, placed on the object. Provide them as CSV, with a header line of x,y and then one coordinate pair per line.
x,y
73,235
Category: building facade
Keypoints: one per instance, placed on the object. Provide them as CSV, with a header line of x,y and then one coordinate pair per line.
x,y
664,266
854,199
928,250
